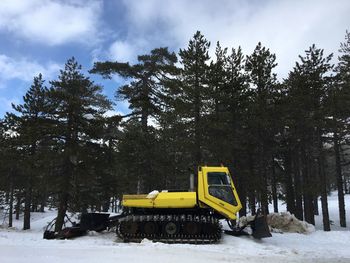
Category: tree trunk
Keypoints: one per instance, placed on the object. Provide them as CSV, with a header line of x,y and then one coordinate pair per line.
x,y
64,194
264,195
240,181
243,211
324,201
324,204
307,190
263,181
298,188
315,202
7,197
62,209
11,202
27,205
323,184
42,202
241,185
106,204
251,188
243,196
274,188
252,202
34,207
340,183
18,205
315,178
197,125
288,182
113,204
308,209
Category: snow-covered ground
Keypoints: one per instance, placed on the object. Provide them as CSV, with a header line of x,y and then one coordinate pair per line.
x,y
28,246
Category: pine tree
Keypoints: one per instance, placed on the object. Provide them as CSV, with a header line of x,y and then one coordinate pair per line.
x,y
229,93
340,109
259,66
216,119
193,96
306,90
236,96
8,162
79,105
30,126
145,94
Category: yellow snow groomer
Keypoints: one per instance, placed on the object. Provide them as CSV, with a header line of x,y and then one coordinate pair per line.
x,y
187,216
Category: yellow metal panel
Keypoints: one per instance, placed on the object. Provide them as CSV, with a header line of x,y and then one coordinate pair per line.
x,y
175,200
129,197
162,200
137,201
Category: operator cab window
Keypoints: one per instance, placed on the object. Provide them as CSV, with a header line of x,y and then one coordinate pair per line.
x,y
218,178
220,187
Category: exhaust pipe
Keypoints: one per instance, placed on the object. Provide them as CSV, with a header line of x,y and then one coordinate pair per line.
x,y
192,183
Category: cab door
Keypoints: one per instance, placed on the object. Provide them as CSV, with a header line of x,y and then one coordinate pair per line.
x,y
219,191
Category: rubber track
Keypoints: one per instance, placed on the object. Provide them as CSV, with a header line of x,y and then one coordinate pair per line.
x,y
202,221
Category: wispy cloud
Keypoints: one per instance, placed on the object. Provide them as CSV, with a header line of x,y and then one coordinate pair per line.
x,y
286,27
25,69
122,51
52,22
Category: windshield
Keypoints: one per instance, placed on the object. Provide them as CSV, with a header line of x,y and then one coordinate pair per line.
x,y
220,187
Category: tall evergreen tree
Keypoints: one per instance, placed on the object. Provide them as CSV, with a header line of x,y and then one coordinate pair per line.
x,y
30,125
339,98
307,89
9,161
229,92
237,98
145,94
259,66
216,119
79,105
193,96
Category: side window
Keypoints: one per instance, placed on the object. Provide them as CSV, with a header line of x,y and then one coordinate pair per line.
x,y
220,187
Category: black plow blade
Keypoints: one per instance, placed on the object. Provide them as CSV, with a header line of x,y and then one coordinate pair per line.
x,y
260,227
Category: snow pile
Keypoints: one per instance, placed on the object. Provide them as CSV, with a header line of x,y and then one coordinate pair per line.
x,y
146,241
281,222
153,194
286,222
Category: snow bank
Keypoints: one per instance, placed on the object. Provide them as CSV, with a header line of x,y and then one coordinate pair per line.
x,y
318,247
286,222
282,222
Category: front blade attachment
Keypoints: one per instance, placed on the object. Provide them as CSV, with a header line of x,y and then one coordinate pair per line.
x,y
259,227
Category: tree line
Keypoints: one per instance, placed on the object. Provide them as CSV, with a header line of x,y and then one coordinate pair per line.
x,y
282,139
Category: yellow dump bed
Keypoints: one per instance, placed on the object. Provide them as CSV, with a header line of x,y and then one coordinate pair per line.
x,y
161,200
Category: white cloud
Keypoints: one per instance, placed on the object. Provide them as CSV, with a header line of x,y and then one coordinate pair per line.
x,y
286,27
52,22
122,51
25,69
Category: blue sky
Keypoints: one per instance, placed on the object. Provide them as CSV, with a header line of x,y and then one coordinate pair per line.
x,y
38,36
